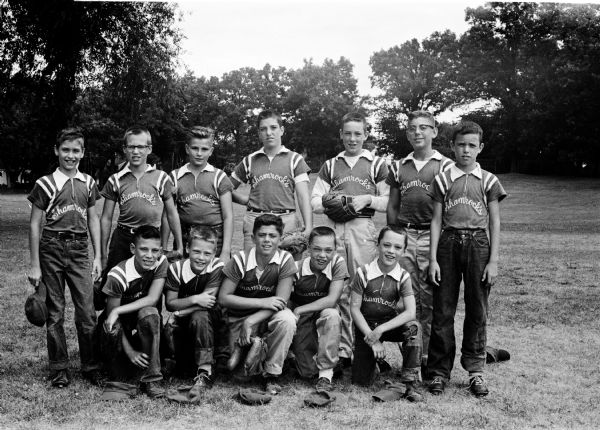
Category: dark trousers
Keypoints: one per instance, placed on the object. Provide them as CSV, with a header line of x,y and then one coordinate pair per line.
x,y
363,365
462,256
197,339
118,250
146,323
66,261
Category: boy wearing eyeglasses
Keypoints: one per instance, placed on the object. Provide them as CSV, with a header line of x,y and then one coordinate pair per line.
x,y
411,207
141,191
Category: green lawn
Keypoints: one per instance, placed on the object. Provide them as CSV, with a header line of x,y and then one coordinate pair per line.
x,y
544,310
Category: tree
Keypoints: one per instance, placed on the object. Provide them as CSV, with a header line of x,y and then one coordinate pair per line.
x,y
58,48
317,99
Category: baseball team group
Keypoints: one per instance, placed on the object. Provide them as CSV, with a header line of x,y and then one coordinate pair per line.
x,y
320,307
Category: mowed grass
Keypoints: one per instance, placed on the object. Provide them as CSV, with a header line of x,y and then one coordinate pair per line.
x,y
544,310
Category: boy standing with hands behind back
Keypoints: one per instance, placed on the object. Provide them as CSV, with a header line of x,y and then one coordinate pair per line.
x,y
465,208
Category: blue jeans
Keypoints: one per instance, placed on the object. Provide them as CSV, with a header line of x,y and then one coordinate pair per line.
x,y
67,261
363,365
462,256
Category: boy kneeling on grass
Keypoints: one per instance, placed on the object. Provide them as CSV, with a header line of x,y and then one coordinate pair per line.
x,y
379,289
255,291
130,336
317,289
190,293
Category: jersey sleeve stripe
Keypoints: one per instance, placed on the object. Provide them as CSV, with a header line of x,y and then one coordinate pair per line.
x,y
440,181
362,277
119,274
44,185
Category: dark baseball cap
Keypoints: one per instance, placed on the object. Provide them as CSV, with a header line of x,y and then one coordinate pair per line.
x,y
35,307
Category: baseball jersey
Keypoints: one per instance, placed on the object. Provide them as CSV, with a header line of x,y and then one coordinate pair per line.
x,y
125,282
310,286
140,200
241,269
381,293
362,178
65,200
182,280
198,197
272,181
465,197
416,206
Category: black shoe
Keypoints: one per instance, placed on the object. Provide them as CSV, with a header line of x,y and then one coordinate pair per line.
x,y
323,384
152,390
94,377
437,386
202,382
478,387
384,366
60,379
270,385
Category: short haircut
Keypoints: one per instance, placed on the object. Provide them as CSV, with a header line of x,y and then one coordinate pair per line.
x,y
265,114
398,230
354,116
68,134
202,232
321,231
268,219
199,132
145,232
467,127
135,131
421,114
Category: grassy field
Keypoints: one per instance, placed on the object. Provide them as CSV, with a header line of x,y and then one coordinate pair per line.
x,y
544,310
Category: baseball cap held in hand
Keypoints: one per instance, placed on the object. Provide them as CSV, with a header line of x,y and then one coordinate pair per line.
x,y
35,306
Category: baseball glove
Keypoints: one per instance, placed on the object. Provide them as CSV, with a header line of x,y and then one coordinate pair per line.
x,y
295,242
338,207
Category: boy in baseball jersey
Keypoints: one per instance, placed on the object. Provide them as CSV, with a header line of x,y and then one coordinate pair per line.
x,y
141,191
190,293
130,335
317,289
274,173
358,173
255,291
202,193
466,206
379,290
67,197
411,207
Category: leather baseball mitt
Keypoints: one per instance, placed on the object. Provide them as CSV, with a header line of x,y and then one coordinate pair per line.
x,y
295,242
338,207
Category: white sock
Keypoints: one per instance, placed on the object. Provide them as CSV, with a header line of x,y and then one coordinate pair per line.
x,y
326,373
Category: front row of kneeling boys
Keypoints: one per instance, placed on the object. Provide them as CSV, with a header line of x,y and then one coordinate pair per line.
x,y
273,304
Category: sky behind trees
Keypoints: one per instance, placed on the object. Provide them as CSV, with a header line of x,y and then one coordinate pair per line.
x,y
226,35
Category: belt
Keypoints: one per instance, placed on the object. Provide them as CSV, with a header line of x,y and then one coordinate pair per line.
x,y
65,235
469,231
414,226
130,230
276,211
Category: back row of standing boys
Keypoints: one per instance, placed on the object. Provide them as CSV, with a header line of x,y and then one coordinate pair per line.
x,y
400,284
